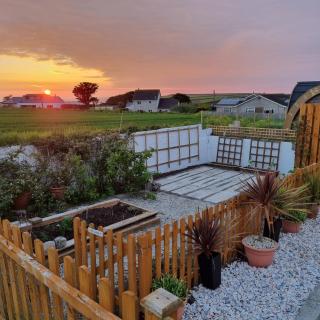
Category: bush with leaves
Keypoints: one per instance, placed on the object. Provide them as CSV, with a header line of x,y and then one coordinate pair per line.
x,y
16,177
172,284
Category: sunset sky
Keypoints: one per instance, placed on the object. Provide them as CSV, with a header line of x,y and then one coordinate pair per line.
x,y
190,46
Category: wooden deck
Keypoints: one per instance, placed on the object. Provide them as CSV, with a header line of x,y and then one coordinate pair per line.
x,y
205,183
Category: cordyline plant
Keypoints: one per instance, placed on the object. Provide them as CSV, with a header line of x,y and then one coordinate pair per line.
x,y
208,235
269,197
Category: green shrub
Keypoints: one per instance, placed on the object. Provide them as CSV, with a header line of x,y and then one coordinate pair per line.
x,y
297,216
172,284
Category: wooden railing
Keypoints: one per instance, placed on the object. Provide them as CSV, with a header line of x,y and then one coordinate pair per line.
x,y
255,133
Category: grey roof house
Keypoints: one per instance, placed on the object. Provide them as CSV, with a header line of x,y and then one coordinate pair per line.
x,y
262,105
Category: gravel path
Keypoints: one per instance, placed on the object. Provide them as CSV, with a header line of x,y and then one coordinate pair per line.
x,y
169,206
276,292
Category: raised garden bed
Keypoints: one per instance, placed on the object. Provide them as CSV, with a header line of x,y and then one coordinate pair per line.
x,y
112,214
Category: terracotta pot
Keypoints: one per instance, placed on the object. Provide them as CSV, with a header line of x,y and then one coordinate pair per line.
x,y
180,311
22,201
291,226
259,257
58,192
314,210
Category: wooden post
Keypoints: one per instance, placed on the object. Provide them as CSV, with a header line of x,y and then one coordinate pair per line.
x,y
106,299
132,265
160,304
85,281
130,311
77,247
145,276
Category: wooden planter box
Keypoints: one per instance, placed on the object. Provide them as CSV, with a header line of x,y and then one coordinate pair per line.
x,y
140,221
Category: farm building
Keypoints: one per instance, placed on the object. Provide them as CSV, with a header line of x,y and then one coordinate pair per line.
x,y
145,100
34,101
261,104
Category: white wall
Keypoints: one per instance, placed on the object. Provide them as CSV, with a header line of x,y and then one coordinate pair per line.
x,y
200,138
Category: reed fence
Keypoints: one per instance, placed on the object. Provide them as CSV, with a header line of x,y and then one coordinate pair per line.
x,y
256,133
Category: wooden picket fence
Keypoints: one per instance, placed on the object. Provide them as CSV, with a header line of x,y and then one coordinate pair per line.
x,y
130,263
308,139
32,286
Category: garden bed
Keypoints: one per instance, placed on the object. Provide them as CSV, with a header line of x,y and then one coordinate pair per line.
x,y
112,214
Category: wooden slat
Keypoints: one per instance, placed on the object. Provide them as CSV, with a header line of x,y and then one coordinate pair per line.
x,y
77,247
84,252
12,273
69,276
33,288
190,253
130,312
315,135
101,254
93,266
109,238
119,238
132,265
106,294
85,281
182,270
158,251
175,248
144,276
53,262
44,292
166,229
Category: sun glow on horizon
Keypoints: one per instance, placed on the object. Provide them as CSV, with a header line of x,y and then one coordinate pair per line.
x,y
21,75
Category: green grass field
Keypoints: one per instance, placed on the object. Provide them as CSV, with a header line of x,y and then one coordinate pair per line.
x,y
24,126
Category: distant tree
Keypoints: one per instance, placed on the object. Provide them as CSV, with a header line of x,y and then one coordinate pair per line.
x,y
182,98
84,91
120,100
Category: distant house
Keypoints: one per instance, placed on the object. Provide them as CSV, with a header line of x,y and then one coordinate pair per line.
x,y
262,104
34,101
166,104
145,100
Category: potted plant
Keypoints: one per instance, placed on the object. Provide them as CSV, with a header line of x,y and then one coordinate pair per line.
x,y
269,199
17,180
60,175
293,222
313,182
175,286
206,235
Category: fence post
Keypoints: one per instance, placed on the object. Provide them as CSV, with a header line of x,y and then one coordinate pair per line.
x,y
160,304
130,306
77,247
145,277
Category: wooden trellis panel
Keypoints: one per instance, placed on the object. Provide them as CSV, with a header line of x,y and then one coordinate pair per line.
x,y
308,143
264,154
229,151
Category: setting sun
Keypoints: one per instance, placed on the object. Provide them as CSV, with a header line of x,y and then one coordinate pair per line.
x,y
47,91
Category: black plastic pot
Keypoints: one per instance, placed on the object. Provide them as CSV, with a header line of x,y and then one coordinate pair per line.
x,y
210,270
277,225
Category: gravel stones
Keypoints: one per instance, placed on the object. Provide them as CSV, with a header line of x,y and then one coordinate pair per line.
x,y
273,293
259,243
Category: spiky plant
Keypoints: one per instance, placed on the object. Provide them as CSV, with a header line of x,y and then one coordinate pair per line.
x,y
206,234
313,182
270,198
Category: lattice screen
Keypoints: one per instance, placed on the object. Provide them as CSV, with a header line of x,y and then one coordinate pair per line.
x,y
229,151
264,154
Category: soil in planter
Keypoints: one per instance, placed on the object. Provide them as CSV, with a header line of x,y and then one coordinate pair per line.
x,y
98,216
51,231
110,215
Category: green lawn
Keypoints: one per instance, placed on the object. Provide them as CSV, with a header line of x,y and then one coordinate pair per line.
x,y
25,126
